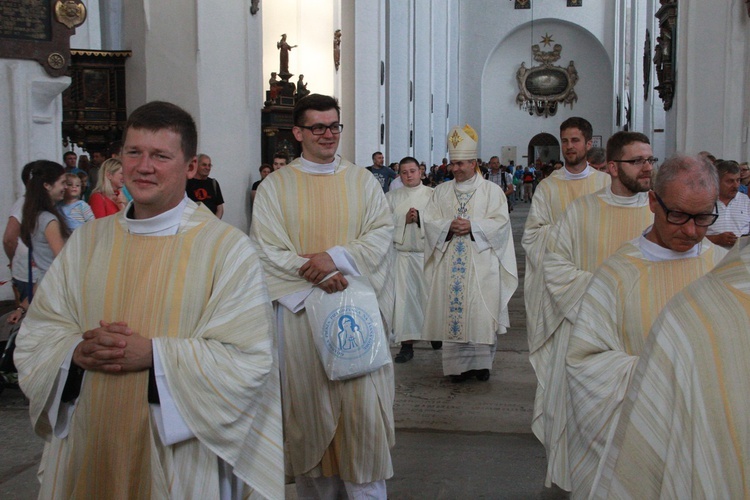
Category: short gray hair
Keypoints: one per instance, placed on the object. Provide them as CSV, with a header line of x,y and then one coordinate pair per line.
x,y
703,175
727,167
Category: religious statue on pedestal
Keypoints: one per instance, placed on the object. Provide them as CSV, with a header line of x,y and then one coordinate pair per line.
x,y
284,49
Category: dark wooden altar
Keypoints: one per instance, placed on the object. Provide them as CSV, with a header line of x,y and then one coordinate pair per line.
x,y
94,111
276,135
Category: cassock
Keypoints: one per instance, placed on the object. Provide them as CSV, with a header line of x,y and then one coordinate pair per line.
x,y
625,295
552,197
199,294
408,240
331,428
471,278
684,428
592,228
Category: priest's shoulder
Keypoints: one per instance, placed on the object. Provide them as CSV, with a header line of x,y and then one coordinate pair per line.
x,y
204,220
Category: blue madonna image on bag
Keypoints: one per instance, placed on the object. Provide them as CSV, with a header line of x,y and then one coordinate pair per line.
x,y
349,332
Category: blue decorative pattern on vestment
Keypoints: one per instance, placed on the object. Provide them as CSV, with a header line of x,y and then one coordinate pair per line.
x,y
457,284
457,288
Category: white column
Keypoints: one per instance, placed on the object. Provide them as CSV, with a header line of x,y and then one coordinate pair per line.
x,y
422,78
710,107
368,93
439,82
205,58
398,80
89,34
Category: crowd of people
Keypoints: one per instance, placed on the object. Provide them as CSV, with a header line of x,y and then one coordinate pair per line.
x,y
141,310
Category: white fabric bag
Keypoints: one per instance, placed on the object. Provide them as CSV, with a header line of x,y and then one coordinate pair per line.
x,y
348,330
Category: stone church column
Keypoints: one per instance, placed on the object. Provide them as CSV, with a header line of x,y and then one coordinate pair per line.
x,y
206,58
711,107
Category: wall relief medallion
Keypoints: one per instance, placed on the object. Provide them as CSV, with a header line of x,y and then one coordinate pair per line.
x,y
543,87
70,13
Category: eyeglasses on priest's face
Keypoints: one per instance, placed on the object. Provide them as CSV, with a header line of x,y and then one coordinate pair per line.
x,y
320,129
679,218
639,162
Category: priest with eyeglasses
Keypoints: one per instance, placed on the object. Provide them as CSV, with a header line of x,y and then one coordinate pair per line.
x,y
625,295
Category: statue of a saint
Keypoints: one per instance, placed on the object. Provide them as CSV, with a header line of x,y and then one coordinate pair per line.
x,y
284,49
301,88
337,49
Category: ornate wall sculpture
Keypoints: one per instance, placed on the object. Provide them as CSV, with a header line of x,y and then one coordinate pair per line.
x,y
40,30
337,49
664,52
647,66
542,88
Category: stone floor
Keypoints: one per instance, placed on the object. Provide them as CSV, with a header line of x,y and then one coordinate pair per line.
x,y
469,440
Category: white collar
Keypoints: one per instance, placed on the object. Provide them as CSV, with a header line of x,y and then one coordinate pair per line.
x,y
636,200
570,176
310,167
657,253
468,185
165,224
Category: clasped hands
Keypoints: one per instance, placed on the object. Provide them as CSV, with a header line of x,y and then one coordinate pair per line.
x,y
317,268
412,216
460,227
113,347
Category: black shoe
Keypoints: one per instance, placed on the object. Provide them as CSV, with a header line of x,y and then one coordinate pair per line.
x,y
436,344
457,379
483,375
405,354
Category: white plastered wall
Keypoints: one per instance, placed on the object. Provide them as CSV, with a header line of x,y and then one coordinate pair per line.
x,y
503,124
204,58
711,108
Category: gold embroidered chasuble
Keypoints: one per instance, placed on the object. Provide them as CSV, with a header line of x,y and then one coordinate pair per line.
x,y
197,292
551,199
470,282
683,431
592,228
625,296
330,427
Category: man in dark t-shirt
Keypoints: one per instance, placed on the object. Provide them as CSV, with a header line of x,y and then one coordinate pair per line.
x,y
383,174
204,189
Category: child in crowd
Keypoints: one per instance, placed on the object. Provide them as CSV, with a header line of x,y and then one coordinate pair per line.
x,y
85,188
74,209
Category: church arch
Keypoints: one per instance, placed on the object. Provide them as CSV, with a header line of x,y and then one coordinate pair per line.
x,y
504,125
544,147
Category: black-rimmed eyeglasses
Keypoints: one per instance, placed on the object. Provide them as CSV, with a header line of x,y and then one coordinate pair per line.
x,y
639,162
680,218
320,129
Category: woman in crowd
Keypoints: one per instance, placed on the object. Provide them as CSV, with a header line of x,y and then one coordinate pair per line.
x,y
43,228
106,198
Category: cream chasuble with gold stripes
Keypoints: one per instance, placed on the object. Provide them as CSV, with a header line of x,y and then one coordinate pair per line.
x,y
625,295
330,427
201,294
591,229
551,198
684,429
